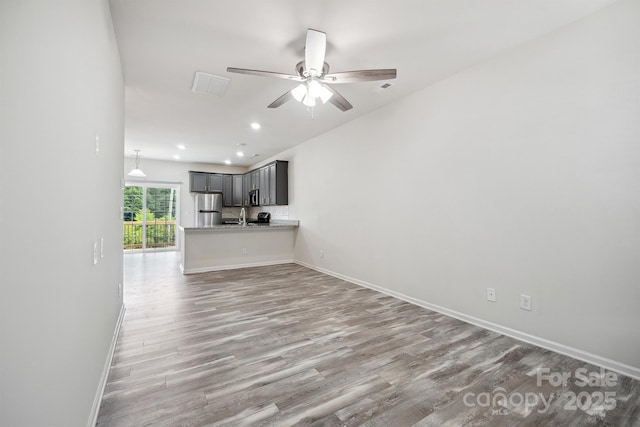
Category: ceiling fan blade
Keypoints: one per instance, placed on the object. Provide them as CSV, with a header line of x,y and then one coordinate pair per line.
x,y
265,74
314,51
278,102
360,76
338,100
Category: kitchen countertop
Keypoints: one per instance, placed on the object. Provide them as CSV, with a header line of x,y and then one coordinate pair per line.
x,y
275,223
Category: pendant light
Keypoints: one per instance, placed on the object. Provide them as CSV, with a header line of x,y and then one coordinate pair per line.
x,y
137,172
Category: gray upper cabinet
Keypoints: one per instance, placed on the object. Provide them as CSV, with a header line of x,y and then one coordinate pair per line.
x,y
238,190
227,190
278,172
271,180
255,179
216,182
198,182
264,186
246,187
273,183
203,182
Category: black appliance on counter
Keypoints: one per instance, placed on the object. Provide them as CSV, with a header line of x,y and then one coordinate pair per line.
x,y
264,217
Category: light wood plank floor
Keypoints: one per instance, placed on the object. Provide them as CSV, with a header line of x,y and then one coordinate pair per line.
x,y
286,345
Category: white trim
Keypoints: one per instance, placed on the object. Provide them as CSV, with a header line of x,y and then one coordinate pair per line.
x,y
234,266
621,368
93,415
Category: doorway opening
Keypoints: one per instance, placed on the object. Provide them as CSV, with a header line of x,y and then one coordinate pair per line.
x,y
150,217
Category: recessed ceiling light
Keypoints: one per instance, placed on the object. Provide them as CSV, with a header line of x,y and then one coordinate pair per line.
x,y
239,153
181,146
176,157
227,162
255,125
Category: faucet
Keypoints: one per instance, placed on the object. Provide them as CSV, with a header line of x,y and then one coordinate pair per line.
x,y
243,217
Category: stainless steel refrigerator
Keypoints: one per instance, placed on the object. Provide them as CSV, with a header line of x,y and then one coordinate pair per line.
x,y
208,209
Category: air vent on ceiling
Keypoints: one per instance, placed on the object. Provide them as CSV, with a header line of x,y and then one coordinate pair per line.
x,y
382,87
208,84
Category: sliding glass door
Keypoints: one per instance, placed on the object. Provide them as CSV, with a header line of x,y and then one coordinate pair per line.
x,y
149,216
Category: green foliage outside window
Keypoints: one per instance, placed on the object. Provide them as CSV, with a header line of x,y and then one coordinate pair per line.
x,y
160,218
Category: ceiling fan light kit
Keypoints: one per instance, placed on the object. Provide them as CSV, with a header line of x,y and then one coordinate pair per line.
x,y
314,78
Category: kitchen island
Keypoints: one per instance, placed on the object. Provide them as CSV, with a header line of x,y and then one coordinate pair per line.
x,y
228,246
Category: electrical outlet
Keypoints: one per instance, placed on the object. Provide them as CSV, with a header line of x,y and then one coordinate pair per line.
x,y
244,251
95,253
321,253
491,294
97,143
119,289
102,247
525,302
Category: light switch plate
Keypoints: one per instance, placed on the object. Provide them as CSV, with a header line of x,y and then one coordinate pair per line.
x,y
491,294
525,302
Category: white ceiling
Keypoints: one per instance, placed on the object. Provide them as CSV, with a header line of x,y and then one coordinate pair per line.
x,y
164,42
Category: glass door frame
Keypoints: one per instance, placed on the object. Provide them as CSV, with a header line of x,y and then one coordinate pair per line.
x,y
153,184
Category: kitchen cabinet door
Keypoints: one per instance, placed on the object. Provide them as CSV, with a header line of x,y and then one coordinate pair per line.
x,y
255,179
264,186
272,184
227,190
198,182
246,187
238,194
278,172
216,182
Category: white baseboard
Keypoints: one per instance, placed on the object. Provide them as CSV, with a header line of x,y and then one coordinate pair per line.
x,y
612,365
234,266
93,416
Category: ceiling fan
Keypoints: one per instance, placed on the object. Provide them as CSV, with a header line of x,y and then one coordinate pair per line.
x,y
314,77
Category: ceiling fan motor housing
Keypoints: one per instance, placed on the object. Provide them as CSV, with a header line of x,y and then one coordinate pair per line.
x,y
304,73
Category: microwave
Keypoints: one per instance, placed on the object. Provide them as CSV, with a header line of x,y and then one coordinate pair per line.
x,y
254,198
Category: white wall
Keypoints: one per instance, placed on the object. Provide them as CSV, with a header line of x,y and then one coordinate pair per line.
x,y
522,174
60,84
177,172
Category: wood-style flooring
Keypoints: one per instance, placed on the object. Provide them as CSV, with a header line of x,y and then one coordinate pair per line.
x,y
286,345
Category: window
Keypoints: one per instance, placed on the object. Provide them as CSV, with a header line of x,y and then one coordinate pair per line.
x,y
149,216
